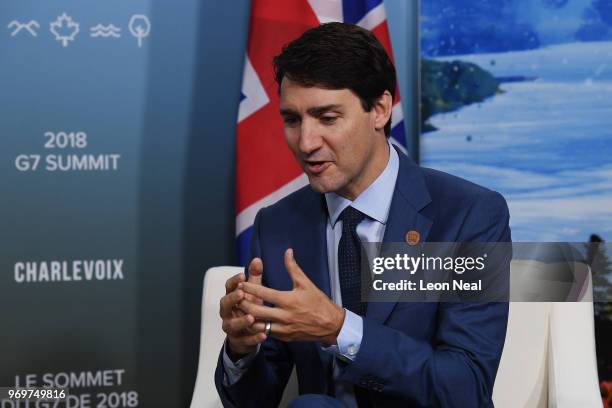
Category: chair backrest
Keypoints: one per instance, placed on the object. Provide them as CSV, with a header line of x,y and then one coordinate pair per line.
x,y
522,377
549,354
211,336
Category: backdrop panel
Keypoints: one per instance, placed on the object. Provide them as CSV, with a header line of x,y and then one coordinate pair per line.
x,y
116,141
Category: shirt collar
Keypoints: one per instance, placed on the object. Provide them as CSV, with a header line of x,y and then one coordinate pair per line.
x,y
374,201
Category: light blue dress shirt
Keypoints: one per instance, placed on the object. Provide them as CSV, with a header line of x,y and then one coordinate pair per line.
x,y
374,202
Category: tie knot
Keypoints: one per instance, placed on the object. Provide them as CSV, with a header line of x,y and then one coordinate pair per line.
x,y
351,217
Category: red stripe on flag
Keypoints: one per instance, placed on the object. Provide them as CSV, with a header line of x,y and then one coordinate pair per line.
x,y
264,163
381,32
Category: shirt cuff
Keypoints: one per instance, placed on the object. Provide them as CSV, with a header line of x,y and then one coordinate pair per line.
x,y
235,370
349,338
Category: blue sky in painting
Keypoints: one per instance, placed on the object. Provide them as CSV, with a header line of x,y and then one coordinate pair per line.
x,y
458,27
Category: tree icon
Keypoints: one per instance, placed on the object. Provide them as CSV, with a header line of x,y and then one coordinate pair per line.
x,y
139,27
64,29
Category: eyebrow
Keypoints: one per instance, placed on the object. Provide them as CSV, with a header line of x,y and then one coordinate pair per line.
x,y
315,111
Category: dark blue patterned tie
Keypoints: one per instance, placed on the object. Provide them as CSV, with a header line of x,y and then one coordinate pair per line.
x,y
349,261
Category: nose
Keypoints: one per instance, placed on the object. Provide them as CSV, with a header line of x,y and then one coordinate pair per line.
x,y
310,137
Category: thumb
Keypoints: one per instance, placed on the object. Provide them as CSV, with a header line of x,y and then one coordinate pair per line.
x,y
295,272
256,271
255,277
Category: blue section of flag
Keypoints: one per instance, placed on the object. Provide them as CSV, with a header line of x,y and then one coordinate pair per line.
x,y
242,97
242,245
353,11
399,133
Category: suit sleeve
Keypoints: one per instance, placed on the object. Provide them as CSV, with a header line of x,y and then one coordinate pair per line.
x,y
459,369
263,383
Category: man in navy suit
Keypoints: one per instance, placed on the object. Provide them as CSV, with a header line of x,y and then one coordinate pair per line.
x,y
301,304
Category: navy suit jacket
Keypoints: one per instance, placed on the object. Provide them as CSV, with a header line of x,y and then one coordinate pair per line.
x,y
412,354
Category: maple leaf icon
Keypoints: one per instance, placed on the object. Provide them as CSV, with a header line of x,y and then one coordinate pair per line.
x,y
64,29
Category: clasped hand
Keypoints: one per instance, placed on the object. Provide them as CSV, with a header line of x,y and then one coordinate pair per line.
x,y
304,313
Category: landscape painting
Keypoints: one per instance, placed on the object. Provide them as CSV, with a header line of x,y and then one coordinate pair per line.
x,y
516,95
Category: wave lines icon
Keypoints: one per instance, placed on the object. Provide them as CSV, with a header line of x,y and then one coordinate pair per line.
x,y
105,31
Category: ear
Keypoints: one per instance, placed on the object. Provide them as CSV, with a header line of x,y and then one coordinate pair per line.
x,y
382,110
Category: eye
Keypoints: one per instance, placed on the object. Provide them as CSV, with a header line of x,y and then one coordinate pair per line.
x,y
290,120
328,120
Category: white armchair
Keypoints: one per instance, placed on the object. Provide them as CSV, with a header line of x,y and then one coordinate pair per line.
x,y
548,358
549,355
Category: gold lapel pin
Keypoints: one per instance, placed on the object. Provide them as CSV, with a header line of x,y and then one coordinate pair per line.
x,y
412,237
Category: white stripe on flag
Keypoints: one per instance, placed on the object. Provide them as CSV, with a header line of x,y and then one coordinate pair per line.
x,y
397,119
397,114
399,145
327,11
374,17
247,216
254,92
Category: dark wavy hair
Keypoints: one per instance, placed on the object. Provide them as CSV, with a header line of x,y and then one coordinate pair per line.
x,y
339,56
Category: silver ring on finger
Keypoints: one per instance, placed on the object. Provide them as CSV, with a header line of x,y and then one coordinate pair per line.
x,y
268,328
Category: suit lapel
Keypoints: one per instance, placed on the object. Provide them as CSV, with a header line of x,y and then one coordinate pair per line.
x,y
309,239
409,197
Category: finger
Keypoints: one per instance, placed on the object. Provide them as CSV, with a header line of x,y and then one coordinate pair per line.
x,y
255,277
247,341
273,296
277,329
228,302
237,325
280,331
232,282
257,327
253,299
261,312
256,271
295,272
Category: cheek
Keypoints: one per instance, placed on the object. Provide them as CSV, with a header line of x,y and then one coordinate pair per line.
x,y
349,145
291,139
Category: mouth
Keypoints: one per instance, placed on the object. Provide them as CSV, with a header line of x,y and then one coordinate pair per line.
x,y
316,167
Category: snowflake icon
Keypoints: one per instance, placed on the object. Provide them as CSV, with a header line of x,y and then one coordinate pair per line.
x,y
64,29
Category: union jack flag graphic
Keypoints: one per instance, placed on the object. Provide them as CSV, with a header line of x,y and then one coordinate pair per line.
x,y
265,168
